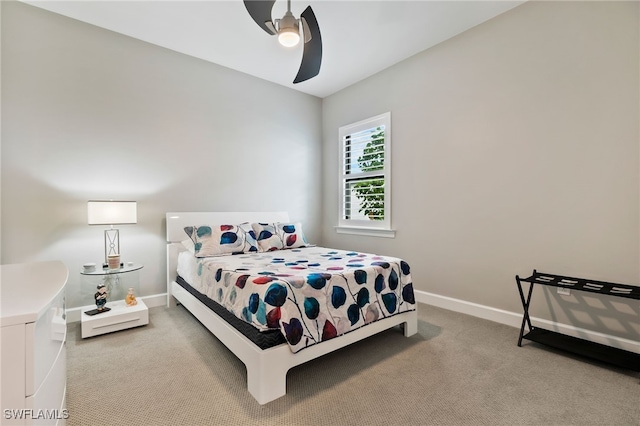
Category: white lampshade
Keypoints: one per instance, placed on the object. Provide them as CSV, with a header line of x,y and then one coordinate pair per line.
x,y
112,212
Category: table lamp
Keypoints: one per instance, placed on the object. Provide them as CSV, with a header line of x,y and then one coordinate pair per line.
x,y
111,213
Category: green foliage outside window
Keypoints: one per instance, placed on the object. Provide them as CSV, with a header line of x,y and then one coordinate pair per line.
x,y
370,192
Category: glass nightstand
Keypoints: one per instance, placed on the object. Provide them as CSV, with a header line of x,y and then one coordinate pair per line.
x,y
114,281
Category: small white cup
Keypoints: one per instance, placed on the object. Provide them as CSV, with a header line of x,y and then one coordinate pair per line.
x,y
89,267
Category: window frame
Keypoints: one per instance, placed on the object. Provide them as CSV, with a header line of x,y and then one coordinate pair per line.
x,y
379,228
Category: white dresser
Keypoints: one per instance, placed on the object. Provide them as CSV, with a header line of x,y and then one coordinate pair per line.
x,y
33,334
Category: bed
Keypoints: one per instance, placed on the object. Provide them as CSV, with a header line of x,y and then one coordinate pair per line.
x,y
267,328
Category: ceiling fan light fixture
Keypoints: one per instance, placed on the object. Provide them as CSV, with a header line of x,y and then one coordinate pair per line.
x,y
288,37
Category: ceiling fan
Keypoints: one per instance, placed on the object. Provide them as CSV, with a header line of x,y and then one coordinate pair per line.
x,y
288,31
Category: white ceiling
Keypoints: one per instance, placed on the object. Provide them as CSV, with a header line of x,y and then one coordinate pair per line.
x,y
360,37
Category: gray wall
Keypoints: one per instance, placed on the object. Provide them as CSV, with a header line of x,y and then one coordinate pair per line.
x,y
515,146
90,114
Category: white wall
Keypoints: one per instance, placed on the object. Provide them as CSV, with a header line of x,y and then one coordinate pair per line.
x,y
515,146
91,114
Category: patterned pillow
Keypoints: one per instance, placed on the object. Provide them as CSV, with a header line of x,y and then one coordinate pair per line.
x,y
278,236
216,240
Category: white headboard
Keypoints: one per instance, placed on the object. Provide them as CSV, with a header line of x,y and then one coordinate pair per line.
x,y
176,221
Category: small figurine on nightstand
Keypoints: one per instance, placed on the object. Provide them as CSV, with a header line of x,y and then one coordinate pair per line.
x,y
101,297
131,298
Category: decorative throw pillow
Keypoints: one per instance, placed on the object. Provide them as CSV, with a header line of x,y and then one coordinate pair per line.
x,y
278,236
217,240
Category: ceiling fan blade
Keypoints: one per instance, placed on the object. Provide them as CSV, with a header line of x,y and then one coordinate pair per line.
x,y
312,53
260,11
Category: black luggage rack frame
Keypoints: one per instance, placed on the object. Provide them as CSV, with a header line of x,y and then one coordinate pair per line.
x,y
597,351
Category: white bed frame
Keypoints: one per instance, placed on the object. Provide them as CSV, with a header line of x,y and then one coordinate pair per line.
x,y
266,369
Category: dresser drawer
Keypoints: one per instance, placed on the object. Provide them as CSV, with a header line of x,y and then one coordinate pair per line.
x,y
48,403
44,340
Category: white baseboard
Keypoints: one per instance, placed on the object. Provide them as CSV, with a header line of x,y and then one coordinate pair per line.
x,y
73,314
515,320
512,319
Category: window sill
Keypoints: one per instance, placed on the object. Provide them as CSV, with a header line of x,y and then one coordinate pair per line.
x,y
369,232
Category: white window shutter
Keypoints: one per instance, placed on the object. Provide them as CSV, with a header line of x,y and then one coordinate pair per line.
x,y
365,164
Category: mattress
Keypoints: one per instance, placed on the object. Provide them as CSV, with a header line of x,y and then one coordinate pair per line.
x,y
262,339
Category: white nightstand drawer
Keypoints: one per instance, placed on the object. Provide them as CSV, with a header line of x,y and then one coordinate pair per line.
x,y
120,317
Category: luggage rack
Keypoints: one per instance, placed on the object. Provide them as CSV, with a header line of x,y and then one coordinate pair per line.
x,y
597,351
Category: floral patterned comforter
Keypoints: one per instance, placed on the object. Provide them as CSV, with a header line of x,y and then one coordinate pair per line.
x,y
311,294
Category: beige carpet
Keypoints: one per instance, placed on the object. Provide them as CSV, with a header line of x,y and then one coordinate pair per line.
x,y
458,370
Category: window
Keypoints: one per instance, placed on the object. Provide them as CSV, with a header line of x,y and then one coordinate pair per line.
x,y
365,184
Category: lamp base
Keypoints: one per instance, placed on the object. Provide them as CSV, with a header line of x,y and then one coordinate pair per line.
x,y
111,243
106,265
